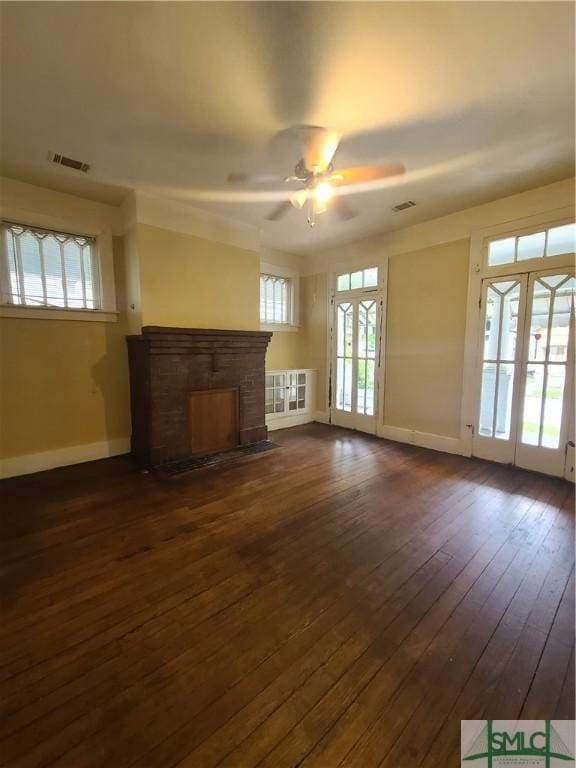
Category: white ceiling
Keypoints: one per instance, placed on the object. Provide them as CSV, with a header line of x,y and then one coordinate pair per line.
x,y
477,99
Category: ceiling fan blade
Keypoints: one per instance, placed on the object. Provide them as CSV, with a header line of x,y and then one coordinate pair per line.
x,y
279,211
363,173
264,178
318,147
341,207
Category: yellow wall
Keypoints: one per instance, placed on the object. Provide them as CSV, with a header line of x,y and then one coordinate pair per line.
x,y
192,282
306,348
314,303
187,281
427,292
132,282
63,382
426,316
286,350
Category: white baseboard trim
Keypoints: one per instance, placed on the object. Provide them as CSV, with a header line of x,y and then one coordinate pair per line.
x,y
78,454
323,417
284,422
62,457
423,439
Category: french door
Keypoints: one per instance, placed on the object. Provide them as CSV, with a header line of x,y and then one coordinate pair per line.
x,y
548,373
525,413
356,361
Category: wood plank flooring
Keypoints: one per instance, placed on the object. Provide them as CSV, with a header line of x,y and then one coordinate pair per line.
x,y
341,601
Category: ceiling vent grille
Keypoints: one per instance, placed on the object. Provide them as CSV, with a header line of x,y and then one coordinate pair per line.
x,y
403,206
76,165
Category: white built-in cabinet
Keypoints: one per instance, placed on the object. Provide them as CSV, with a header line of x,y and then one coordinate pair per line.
x,y
290,397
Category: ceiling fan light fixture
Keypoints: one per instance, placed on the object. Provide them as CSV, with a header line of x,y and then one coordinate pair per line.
x,y
298,199
321,187
323,192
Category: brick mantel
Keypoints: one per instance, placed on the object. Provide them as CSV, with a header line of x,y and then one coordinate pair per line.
x,y
166,364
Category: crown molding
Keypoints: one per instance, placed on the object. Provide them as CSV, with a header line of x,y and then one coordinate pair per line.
x,y
145,208
42,206
459,225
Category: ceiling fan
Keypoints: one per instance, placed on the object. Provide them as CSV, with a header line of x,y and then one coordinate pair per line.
x,y
316,173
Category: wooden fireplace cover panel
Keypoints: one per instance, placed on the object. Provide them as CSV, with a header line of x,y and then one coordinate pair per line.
x,y
214,420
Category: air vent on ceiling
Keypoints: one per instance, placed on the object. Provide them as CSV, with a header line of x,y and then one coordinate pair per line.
x,y
403,206
77,165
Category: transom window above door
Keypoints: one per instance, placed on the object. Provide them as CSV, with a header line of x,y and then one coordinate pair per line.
x,y
553,241
361,279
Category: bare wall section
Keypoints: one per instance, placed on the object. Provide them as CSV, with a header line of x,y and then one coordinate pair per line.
x,y
64,383
426,320
191,282
315,304
286,350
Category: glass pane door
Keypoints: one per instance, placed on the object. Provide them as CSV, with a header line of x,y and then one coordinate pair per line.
x,y
503,314
526,372
366,376
547,371
355,366
344,355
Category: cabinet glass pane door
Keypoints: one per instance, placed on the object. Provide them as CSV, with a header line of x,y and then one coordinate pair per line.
x,y
275,392
286,393
355,362
296,391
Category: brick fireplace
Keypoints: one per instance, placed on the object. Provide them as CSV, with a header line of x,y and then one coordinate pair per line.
x,y
195,391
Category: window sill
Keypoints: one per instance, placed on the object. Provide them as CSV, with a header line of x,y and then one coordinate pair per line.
x,y
276,327
48,313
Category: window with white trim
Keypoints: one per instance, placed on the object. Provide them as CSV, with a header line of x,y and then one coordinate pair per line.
x,y
352,281
275,299
50,269
554,241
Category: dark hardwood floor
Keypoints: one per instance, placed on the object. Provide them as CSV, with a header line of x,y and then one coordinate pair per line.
x,y
341,601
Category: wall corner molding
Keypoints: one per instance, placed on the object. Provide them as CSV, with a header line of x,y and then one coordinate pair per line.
x,y
322,417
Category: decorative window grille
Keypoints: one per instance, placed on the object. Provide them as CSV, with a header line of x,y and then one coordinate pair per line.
x,y
363,278
49,269
275,299
555,241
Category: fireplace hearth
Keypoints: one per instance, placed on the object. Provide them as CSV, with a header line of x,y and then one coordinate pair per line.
x,y
195,391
